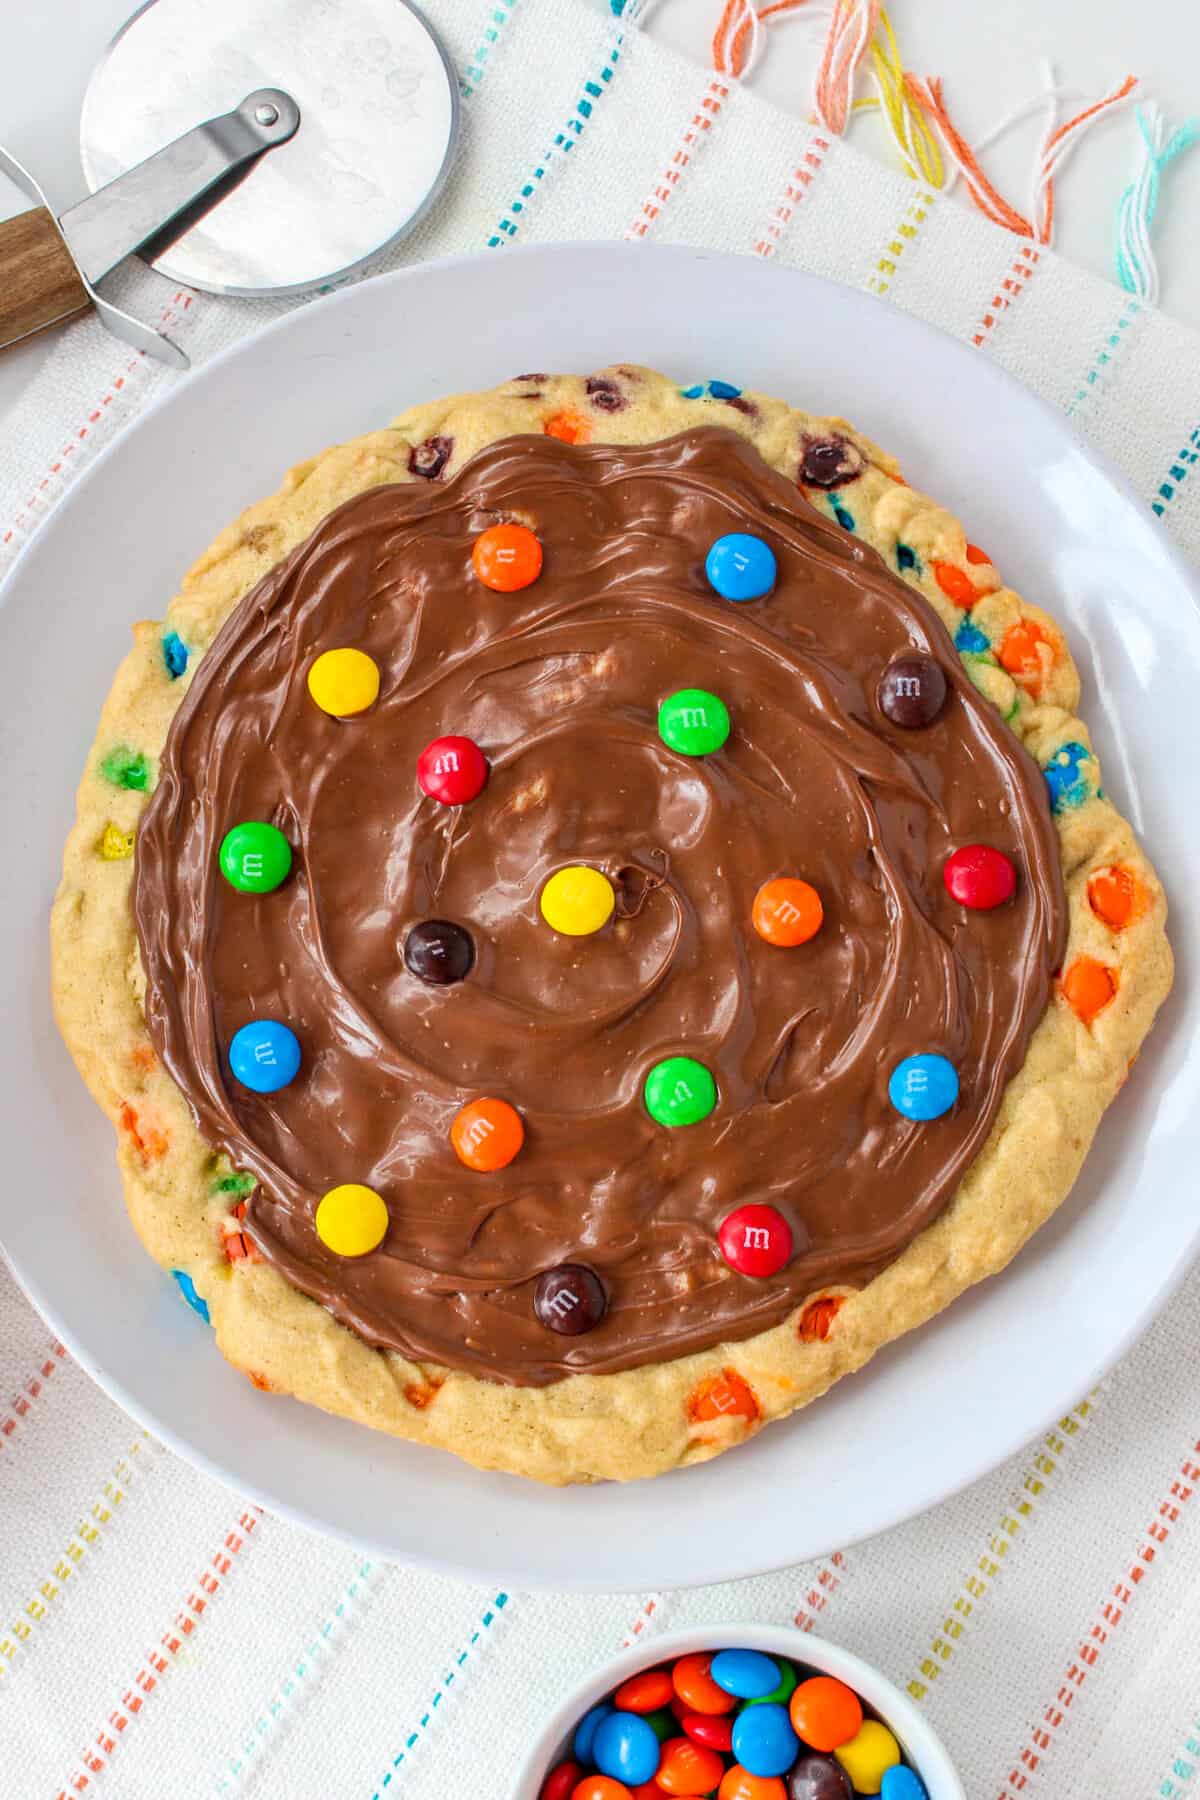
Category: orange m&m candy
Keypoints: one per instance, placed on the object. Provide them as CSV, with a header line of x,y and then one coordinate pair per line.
x,y
689,1769
699,1692
955,584
646,1692
507,557
723,1396
487,1134
825,1713
739,1784
569,426
601,1787
787,911
1117,896
1020,653
1088,986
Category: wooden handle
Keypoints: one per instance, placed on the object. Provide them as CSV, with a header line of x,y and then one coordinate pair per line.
x,y
39,283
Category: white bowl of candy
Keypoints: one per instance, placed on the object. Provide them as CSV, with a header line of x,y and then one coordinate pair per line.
x,y
746,1712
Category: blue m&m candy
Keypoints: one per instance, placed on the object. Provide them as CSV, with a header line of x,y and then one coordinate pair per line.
x,y
264,1056
741,567
187,1288
747,1673
763,1740
902,1783
924,1086
585,1731
625,1748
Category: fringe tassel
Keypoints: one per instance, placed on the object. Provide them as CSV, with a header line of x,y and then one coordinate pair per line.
x,y
1137,268
737,40
850,32
1057,145
915,143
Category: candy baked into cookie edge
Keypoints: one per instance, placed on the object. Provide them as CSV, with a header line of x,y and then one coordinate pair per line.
x,y
184,1201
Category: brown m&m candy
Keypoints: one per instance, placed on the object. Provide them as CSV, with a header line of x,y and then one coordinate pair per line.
x,y
819,1778
912,691
569,1299
439,951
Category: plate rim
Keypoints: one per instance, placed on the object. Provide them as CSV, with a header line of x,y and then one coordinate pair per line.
x,y
1157,541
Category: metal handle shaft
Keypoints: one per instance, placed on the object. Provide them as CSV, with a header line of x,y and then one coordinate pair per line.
x,y
121,216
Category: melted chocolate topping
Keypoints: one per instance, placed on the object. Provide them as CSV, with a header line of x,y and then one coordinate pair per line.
x,y
560,685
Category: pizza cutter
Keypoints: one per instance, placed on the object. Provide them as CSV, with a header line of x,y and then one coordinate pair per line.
x,y
241,147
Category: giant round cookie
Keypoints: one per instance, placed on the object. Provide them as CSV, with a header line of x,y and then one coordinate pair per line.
x,y
440,1330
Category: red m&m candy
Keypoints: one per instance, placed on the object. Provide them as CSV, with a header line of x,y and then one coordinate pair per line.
x,y
713,1733
979,877
452,770
756,1240
561,1783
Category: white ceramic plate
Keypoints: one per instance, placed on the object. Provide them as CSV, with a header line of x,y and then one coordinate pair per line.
x,y
937,1410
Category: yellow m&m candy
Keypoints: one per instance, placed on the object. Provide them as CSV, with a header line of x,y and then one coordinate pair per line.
x,y
351,1220
578,901
871,1752
343,682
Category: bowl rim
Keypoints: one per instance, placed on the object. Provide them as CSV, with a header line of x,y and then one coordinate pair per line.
x,y
921,1743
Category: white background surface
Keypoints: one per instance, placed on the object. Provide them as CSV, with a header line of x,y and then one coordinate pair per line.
x,y
989,52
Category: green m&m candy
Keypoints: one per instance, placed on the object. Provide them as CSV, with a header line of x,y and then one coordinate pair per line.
x,y
255,857
693,722
680,1091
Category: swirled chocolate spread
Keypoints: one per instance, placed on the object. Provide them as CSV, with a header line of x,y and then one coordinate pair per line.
x,y
559,684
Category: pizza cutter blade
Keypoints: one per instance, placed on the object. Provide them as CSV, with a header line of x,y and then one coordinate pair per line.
x,y
230,179
378,106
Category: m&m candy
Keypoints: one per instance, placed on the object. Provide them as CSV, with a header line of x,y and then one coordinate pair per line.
x,y
645,1693
754,1727
687,1768
561,1782
571,1300
487,1134
351,1220
739,1784
507,558
781,1693
763,1740
713,1733
452,770
787,912
819,1778
746,1673
578,901
869,1755
979,877
680,1091
825,1712
740,567
439,952
255,857
912,691
693,1682
344,682
755,1240
625,1748
585,1731
693,722
601,1787
264,1056
901,1783
924,1086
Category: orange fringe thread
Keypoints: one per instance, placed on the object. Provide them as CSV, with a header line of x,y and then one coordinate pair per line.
x,y
846,44
929,96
